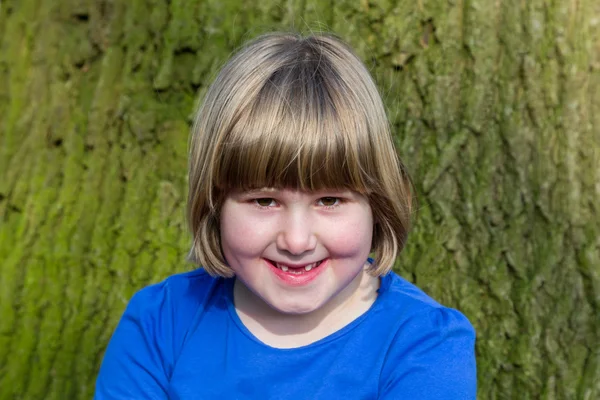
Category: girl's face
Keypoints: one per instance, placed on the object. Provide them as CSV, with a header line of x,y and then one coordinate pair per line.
x,y
297,251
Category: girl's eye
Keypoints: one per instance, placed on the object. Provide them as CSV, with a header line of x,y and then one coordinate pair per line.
x,y
265,202
329,201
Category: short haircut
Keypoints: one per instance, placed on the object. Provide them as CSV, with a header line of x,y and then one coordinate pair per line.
x,y
289,111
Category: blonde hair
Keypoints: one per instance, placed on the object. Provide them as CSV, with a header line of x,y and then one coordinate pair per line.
x,y
301,112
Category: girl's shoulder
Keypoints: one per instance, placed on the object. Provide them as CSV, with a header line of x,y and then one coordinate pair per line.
x,y
400,296
185,281
166,308
439,339
149,337
415,314
399,288
162,313
180,293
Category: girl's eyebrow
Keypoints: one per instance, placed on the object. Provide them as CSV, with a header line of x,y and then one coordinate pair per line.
x,y
254,192
267,192
335,192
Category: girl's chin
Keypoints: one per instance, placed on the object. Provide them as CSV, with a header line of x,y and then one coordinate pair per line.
x,y
295,309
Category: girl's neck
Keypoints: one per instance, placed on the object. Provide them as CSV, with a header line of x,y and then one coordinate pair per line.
x,y
283,330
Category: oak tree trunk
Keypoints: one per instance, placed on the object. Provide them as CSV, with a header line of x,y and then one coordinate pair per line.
x,y
495,106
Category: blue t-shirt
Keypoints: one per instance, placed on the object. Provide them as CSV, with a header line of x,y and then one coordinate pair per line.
x,y
182,339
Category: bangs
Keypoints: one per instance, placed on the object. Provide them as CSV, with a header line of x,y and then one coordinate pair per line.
x,y
299,132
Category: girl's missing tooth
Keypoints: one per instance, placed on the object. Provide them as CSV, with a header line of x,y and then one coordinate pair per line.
x,y
293,183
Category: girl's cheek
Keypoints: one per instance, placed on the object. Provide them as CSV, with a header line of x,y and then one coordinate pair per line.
x,y
245,233
352,236
350,239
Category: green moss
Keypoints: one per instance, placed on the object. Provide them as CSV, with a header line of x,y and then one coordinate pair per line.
x,y
493,107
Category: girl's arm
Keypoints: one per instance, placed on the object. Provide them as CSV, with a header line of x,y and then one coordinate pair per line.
x,y
434,360
136,363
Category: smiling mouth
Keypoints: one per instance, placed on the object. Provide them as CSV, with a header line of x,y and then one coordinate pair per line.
x,y
296,269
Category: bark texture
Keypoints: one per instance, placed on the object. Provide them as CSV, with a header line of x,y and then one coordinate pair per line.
x,y
496,110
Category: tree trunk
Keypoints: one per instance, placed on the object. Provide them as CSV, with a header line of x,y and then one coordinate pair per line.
x,y
496,111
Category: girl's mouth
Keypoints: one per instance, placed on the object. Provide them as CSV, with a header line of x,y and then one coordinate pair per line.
x,y
296,269
297,274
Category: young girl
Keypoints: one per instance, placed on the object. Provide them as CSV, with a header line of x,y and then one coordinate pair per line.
x,y
293,182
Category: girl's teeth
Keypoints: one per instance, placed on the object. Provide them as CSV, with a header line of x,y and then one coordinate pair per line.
x,y
285,268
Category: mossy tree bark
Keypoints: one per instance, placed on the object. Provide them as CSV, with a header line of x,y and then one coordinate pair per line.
x,y
496,111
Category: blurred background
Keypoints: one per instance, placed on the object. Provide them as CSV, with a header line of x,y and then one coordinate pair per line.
x,y
495,108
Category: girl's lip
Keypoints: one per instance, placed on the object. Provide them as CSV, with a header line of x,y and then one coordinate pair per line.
x,y
303,278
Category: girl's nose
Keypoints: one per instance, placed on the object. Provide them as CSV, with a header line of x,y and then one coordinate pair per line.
x,y
296,235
